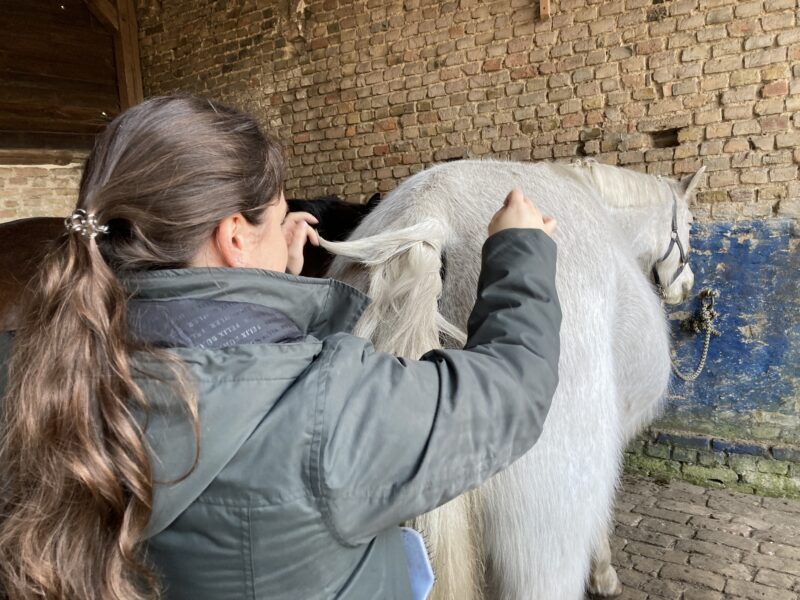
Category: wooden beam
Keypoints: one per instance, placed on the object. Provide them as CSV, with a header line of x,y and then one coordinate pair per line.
x,y
38,141
126,49
544,9
41,157
105,12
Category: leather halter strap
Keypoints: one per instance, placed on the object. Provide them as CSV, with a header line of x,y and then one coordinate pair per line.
x,y
674,240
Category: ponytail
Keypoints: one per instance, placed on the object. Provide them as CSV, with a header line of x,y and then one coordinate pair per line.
x,y
78,487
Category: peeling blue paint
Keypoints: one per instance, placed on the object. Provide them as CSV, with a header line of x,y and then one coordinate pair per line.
x,y
788,454
739,448
750,388
699,442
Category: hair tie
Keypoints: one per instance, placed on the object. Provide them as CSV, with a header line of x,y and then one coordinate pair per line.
x,y
84,223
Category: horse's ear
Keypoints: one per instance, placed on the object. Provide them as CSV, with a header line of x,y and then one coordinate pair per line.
x,y
690,182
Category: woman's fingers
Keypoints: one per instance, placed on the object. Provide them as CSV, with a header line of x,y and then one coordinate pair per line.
x,y
295,240
312,235
294,217
298,233
517,212
514,196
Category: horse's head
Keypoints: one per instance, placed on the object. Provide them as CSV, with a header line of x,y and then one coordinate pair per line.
x,y
653,213
671,272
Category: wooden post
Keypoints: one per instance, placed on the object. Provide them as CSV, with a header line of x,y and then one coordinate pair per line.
x,y
105,12
544,9
126,48
120,18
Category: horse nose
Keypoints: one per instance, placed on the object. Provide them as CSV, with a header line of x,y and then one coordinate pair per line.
x,y
686,289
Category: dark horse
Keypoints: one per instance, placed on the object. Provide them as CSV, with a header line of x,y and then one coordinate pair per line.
x,y
23,244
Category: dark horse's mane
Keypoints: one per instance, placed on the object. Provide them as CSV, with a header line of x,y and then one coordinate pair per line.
x,y
24,242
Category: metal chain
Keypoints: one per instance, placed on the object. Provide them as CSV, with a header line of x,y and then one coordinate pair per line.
x,y
702,321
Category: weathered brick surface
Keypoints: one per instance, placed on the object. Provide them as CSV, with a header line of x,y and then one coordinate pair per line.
x,y
716,462
40,190
710,563
366,92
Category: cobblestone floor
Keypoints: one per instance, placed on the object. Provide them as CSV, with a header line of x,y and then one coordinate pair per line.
x,y
678,541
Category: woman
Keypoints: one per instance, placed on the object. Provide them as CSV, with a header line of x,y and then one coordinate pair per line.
x,y
183,419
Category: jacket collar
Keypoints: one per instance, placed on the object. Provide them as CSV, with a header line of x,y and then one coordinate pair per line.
x,y
319,307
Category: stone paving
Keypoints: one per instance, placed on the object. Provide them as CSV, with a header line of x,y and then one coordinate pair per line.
x,y
678,541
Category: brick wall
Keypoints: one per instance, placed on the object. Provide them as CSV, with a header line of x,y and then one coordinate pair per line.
x,y
761,468
36,191
367,92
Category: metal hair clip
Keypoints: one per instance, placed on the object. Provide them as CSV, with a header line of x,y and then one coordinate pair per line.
x,y
84,223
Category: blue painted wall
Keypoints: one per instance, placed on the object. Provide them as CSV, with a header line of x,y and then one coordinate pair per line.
x,y
750,388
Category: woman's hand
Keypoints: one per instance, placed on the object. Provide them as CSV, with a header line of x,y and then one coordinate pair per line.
x,y
297,229
519,211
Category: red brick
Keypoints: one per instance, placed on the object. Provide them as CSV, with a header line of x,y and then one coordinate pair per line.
x,y
776,88
492,64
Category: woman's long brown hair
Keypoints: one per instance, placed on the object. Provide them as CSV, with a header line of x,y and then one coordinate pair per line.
x,y
76,487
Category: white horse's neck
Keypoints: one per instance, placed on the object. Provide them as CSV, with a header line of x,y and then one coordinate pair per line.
x,y
647,229
640,204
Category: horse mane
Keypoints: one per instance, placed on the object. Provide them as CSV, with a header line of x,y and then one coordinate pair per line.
x,y
618,187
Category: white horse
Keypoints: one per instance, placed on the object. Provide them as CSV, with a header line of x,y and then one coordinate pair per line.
x,y
538,530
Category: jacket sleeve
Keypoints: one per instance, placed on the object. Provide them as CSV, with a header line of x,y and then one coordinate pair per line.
x,y
396,438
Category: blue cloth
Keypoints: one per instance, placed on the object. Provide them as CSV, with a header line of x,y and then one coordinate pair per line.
x,y
419,565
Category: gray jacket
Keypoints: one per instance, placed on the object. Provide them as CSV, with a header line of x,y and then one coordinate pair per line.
x,y
314,448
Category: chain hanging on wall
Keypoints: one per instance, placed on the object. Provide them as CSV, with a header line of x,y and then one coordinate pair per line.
x,y
701,322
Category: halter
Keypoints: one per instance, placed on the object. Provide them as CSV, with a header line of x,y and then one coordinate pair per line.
x,y
673,241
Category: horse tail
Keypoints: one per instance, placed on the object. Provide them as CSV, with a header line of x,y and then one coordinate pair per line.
x,y
405,283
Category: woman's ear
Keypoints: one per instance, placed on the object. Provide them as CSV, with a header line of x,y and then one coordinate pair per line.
x,y
230,241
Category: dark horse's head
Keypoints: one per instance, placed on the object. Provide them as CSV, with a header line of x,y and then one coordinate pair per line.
x,y
24,242
337,219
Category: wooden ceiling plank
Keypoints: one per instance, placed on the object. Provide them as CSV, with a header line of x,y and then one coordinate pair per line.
x,y
32,88
10,67
74,14
26,99
18,51
57,38
56,111
58,69
105,12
